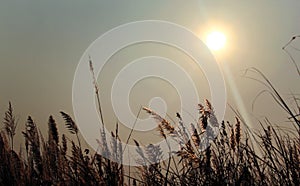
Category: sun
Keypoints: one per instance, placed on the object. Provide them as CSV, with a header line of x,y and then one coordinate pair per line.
x,y
215,40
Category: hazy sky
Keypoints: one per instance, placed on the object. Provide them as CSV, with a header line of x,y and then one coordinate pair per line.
x,y
41,43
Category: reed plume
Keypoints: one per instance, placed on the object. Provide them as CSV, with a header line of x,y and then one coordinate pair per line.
x,y
162,121
237,131
71,125
10,124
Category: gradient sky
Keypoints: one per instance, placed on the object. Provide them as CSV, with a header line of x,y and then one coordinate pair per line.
x,y
41,43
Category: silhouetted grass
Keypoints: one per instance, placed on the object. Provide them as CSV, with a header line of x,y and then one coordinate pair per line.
x,y
235,157
232,158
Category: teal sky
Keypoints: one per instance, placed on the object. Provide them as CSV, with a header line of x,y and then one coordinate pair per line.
x,y
41,43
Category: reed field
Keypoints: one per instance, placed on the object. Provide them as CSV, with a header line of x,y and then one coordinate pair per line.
x,y
237,156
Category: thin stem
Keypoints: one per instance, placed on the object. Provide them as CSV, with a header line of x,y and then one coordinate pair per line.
x,y
96,90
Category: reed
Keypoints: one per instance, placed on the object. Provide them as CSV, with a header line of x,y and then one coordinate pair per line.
x,y
237,156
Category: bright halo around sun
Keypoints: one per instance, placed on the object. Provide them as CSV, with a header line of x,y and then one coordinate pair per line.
x,y
215,40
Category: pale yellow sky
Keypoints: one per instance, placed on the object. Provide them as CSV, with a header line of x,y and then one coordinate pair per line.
x,y
41,43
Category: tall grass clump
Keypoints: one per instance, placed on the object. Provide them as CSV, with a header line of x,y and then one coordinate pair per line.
x,y
270,157
238,155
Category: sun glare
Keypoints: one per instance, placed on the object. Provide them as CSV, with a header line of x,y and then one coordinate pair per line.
x,y
215,40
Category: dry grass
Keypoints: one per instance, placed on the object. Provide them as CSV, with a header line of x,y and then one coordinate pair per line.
x,y
235,157
232,158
